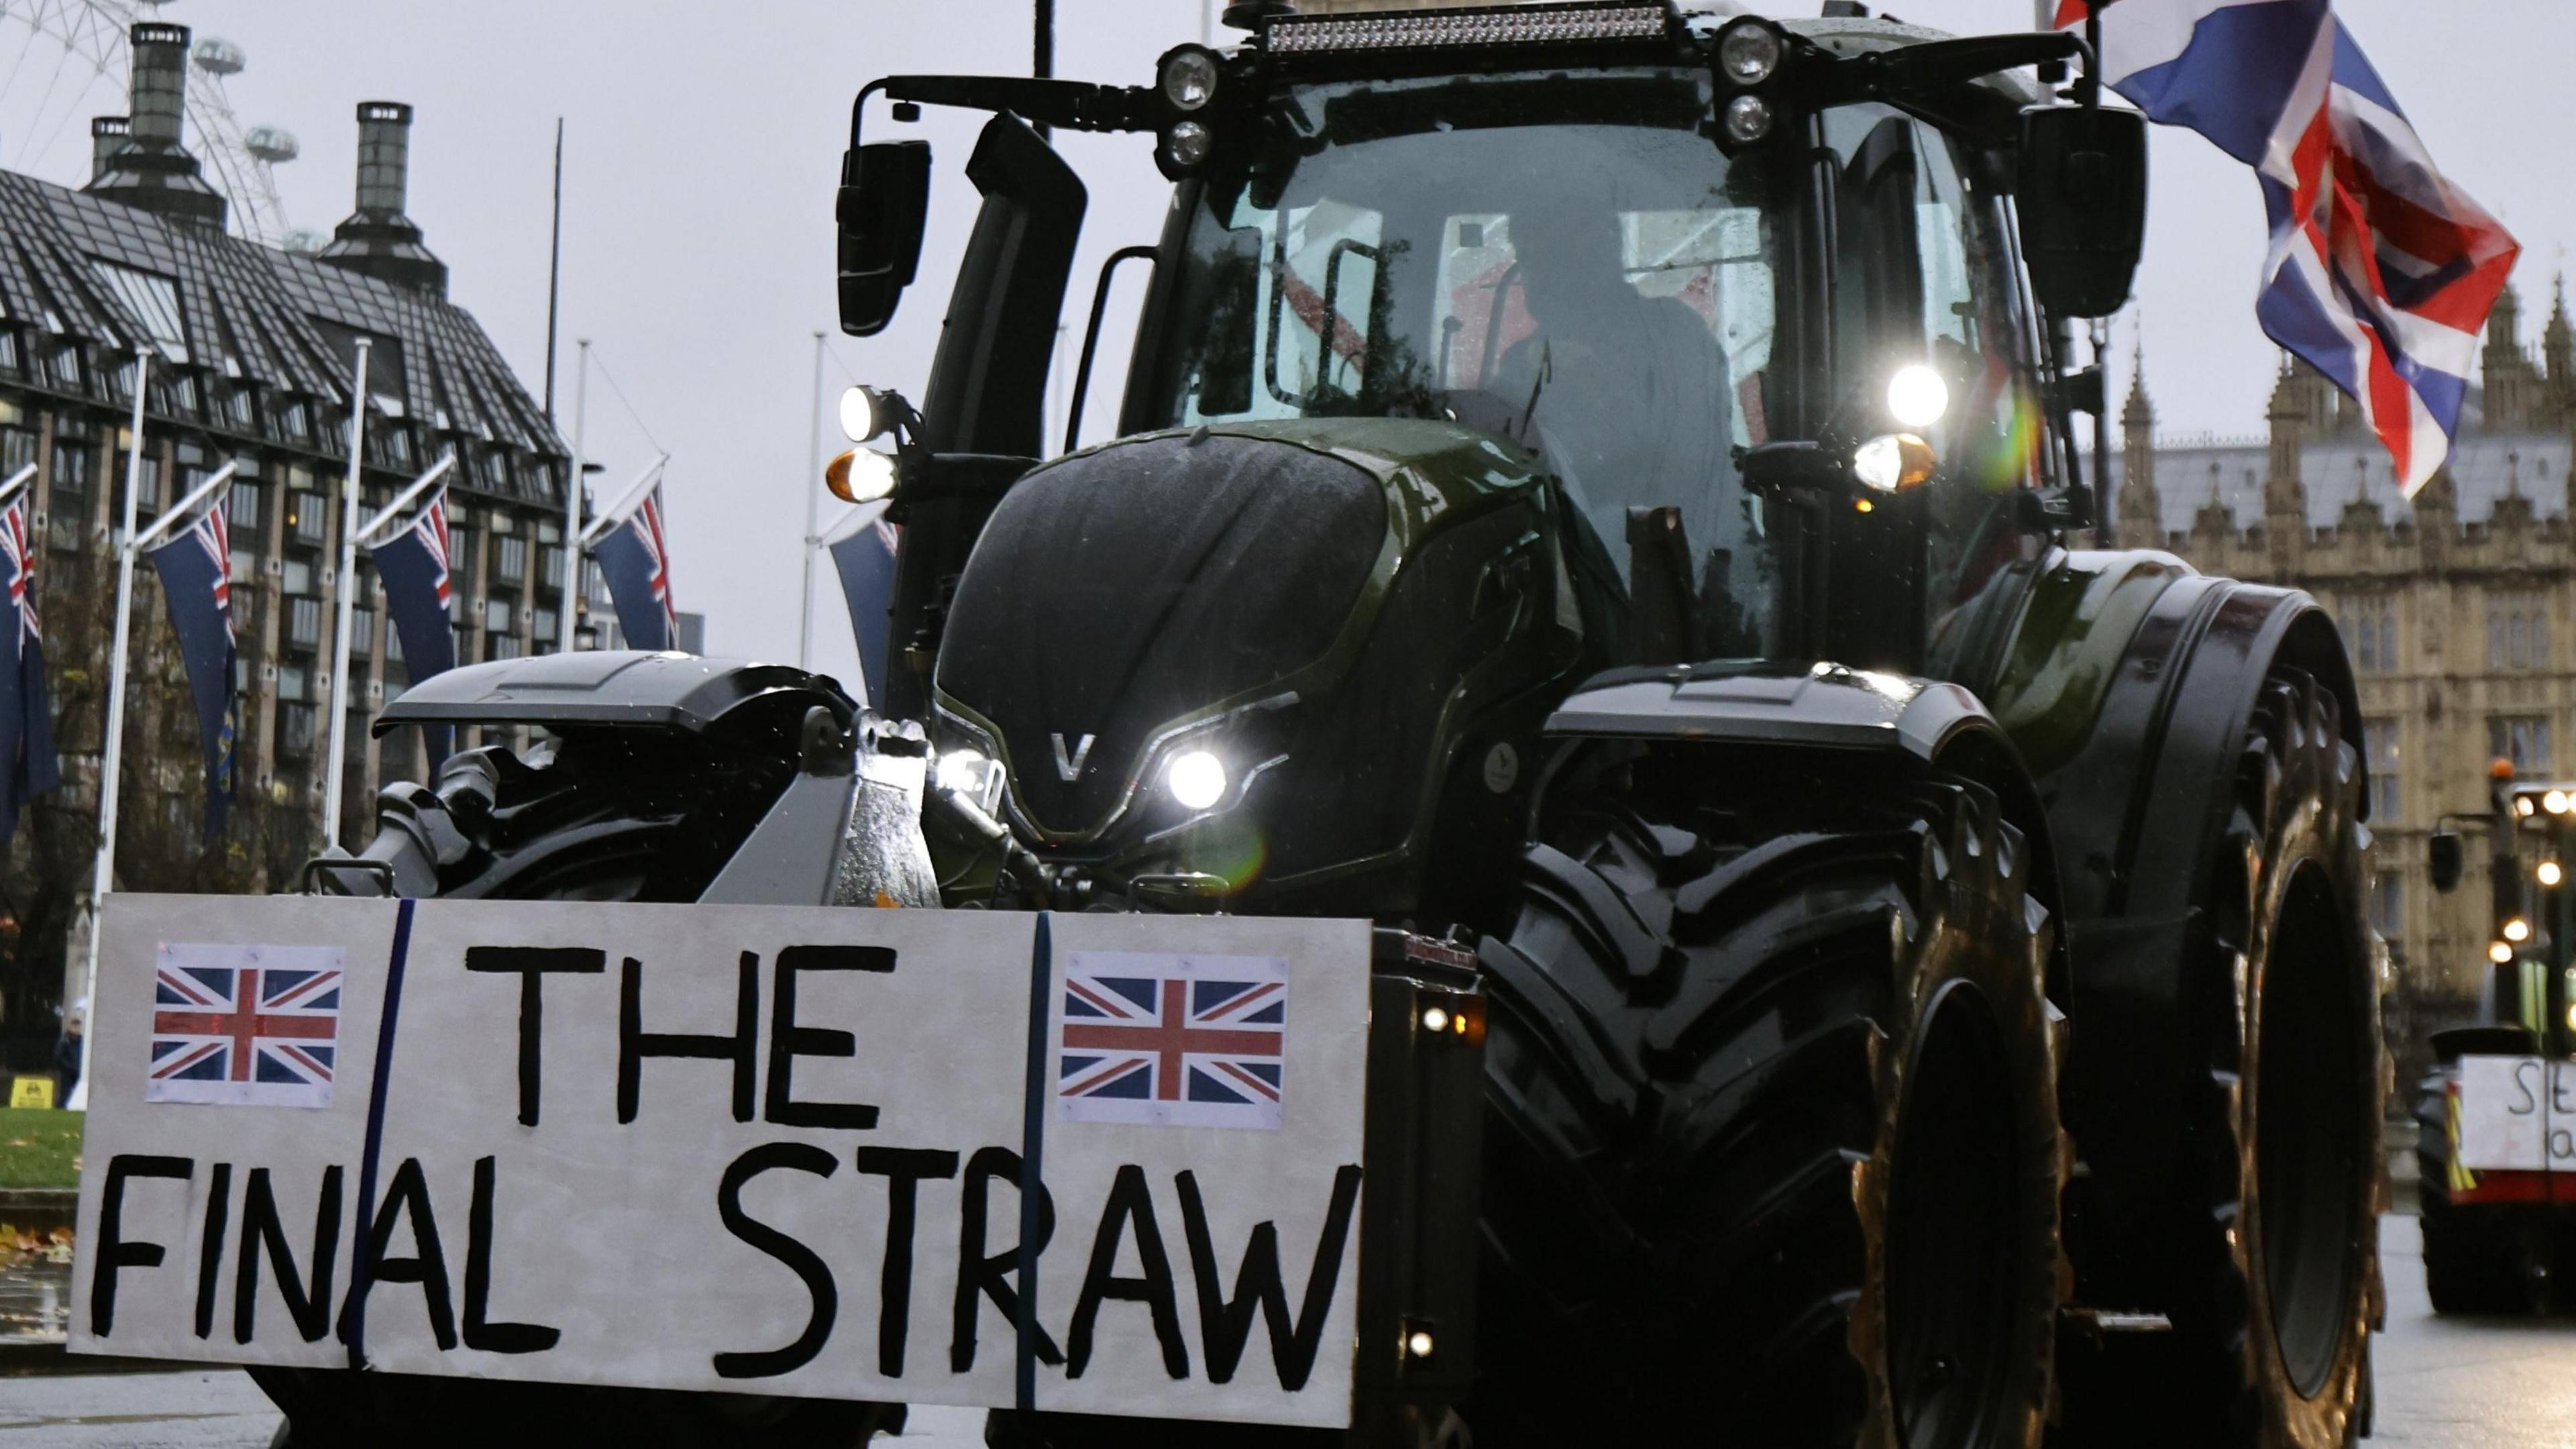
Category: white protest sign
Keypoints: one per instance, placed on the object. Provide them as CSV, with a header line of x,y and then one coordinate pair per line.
x,y
2517,1113
734,1148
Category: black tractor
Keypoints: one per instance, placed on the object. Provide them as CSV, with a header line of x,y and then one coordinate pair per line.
x,y
1598,485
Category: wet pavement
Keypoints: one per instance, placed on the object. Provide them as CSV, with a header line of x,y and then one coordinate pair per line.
x,y
2444,1383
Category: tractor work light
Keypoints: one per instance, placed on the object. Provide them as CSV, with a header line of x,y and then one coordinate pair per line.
x,y
1916,395
1501,26
2499,952
2554,801
1189,78
2522,806
1196,779
861,475
1748,51
1748,119
1893,463
2517,930
1186,146
2549,873
867,414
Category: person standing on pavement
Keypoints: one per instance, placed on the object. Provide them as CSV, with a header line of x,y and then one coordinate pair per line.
x,y
67,1059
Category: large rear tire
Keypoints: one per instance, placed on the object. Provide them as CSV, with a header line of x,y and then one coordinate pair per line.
x,y
1772,1150
2265,1227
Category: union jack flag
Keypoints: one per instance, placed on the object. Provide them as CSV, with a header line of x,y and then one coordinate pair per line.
x,y
196,585
1182,1041
230,1032
637,562
419,600
2381,271
28,764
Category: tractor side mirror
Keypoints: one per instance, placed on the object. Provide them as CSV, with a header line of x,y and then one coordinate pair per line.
x,y
2083,203
2444,860
884,203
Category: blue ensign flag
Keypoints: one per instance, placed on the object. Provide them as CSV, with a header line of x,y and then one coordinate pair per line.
x,y
864,557
418,597
196,581
28,766
638,567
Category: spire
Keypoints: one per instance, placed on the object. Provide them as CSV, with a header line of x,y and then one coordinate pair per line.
x,y
2558,341
2137,412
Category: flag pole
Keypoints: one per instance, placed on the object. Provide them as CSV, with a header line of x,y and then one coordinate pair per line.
x,y
104,870
348,601
813,487
17,484
377,520
614,514
572,498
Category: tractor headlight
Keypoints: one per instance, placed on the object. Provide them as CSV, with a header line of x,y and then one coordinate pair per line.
x,y
2499,952
1917,397
1748,119
2517,930
1748,52
1189,78
971,773
1893,462
1196,778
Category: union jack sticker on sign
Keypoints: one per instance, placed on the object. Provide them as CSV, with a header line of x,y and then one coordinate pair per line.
x,y
1182,1041
245,1025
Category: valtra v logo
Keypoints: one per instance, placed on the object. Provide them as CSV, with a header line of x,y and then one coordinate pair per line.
x,y
1068,762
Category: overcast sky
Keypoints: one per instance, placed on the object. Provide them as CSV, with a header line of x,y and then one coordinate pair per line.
x,y
704,141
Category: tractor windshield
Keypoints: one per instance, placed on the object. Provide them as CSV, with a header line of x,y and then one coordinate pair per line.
x,y
1576,265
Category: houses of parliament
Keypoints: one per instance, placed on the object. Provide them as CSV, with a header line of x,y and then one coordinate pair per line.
x,y
2457,607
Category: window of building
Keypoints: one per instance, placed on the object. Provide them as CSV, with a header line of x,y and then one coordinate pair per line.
x,y
295,729
509,560
244,566
244,509
17,449
147,491
67,366
2523,739
8,350
296,576
460,557
2380,742
2388,905
554,566
305,516
304,623
291,682
505,646
2374,635
2517,633
72,463
548,624
496,616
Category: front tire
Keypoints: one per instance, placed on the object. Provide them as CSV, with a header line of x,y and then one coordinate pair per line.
x,y
1772,1149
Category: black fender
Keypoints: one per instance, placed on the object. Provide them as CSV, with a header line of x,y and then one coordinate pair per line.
x,y
2139,812
625,689
1822,706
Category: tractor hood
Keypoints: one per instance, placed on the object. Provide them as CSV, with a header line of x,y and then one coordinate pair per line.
x,y
1218,589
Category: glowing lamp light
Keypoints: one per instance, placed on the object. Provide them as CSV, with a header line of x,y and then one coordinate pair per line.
x,y
2522,806
2517,930
2549,873
1196,779
962,771
864,415
2499,952
861,475
1435,1019
1917,397
2555,802
1418,1344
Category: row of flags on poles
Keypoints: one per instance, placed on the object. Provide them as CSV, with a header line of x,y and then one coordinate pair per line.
x,y
194,566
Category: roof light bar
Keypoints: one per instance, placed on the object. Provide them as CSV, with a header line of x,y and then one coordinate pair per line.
x,y
1513,25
